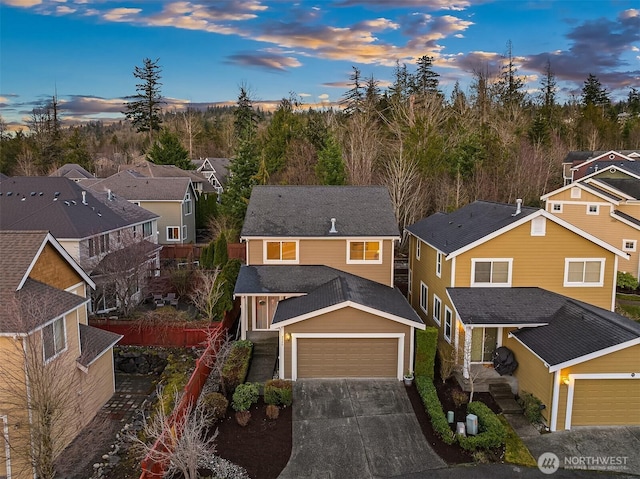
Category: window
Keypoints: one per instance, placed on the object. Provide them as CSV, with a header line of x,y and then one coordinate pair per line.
x,y
147,229
556,207
593,209
538,226
98,245
575,192
184,232
447,323
424,297
364,252
491,272
53,339
409,284
418,243
583,271
173,233
437,306
629,245
186,206
281,251
439,264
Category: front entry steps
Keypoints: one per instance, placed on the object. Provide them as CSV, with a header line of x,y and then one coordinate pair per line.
x,y
263,360
504,397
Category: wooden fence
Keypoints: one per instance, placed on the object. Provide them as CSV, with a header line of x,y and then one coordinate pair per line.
x,y
191,252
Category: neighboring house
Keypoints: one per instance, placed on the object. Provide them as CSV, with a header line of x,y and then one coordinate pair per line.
x,y
151,170
93,227
172,199
215,170
73,172
578,164
605,203
320,272
53,364
581,361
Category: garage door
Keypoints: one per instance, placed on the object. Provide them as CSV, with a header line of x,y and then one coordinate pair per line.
x,y
347,357
606,402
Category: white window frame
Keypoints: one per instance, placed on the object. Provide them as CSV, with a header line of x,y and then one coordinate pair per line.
x,y
188,205
594,213
150,224
437,304
491,284
172,228
56,352
364,261
424,298
539,226
184,232
448,323
576,193
265,260
559,207
418,243
629,245
409,285
438,264
582,284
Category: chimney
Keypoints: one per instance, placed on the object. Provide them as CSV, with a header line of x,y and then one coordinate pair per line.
x,y
84,197
333,229
518,207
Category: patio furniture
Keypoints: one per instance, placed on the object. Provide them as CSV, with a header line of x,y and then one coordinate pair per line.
x,y
158,300
172,299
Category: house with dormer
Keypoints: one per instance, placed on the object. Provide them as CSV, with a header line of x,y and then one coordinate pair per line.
x,y
319,273
56,370
578,164
215,170
492,274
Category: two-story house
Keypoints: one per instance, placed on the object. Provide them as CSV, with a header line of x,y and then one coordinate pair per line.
x,y
215,170
56,371
491,274
578,164
319,272
172,199
200,183
605,203
115,241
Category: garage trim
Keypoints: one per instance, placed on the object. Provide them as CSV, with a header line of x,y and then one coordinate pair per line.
x,y
296,336
572,383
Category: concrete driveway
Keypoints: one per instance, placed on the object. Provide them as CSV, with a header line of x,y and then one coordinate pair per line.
x,y
356,429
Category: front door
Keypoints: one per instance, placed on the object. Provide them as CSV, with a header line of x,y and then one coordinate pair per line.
x,y
265,308
484,342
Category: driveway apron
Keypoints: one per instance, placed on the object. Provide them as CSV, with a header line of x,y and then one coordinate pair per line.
x,y
356,429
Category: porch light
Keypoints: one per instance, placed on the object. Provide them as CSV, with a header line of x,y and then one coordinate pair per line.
x,y
565,381
287,337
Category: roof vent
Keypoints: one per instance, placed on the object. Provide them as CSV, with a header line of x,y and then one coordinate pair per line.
x,y
333,229
518,207
84,197
33,193
109,195
67,203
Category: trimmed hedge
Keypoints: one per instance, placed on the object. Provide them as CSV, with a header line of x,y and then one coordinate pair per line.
x,y
278,392
491,432
234,371
426,347
245,396
432,404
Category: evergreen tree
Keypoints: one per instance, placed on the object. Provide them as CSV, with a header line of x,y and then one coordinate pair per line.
x,y
509,86
549,89
206,208
593,93
353,98
145,107
169,151
330,167
426,80
246,118
285,126
372,93
221,255
242,177
399,90
633,101
76,150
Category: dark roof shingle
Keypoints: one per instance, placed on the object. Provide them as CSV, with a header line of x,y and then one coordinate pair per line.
x,y
94,342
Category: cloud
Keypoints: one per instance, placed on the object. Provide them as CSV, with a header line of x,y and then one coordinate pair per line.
x,y
22,3
265,60
121,14
422,4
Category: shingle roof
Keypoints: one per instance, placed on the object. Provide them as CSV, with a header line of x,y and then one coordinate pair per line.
x,y
72,171
599,165
269,279
629,186
595,189
582,156
17,251
56,204
94,342
135,187
449,232
151,170
221,167
627,217
306,211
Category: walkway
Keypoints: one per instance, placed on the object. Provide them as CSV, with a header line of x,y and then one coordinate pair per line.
x,y
264,357
356,429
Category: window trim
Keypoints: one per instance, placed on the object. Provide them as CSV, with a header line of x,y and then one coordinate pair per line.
x,y
593,213
439,264
364,261
539,226
409,284
64,337
436,301
424,298
418,247
187,201
265,260
576,193
630,249
553,207
184,232
448,322
167,233
582,284
491,284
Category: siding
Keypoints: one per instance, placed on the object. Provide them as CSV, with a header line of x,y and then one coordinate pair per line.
x,y
171,215
52,269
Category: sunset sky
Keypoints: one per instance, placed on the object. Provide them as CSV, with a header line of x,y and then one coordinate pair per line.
x,y
86,50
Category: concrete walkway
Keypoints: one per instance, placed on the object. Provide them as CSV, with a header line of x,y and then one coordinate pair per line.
x,y
356,429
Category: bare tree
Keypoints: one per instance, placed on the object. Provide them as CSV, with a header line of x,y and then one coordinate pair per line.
x,y
206,291
361,144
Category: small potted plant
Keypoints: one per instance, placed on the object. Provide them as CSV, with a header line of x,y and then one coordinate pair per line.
x,y
408,378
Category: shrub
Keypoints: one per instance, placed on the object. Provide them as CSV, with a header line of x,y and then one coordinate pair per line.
x,y
220,254
235,368
626,281
426,348
459,397
245,395
228,276
491,432
272,411
531,406
432,404
278,392
216,404
447,363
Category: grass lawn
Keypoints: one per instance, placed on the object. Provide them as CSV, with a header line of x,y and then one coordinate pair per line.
x,y
628,305
515,450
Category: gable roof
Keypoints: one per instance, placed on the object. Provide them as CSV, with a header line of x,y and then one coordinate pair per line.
x,y
619,215
63,207
149,169
94,342
449,232
628,186
218,166
579,157
72,171
306,211
283,279
135,187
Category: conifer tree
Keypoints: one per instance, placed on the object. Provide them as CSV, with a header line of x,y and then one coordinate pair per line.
x,y
145,107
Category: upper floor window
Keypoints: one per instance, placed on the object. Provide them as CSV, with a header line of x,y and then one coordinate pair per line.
x,y
575,192
173,233
491,272
556,207
281,251
438,264
99,245
584,271
538,226
418,243
437,307
364,252
629,245
593,209
424,295
447,323
54,339
187,207
147,228
410,284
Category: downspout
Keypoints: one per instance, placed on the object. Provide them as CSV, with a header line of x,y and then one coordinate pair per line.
x,y
554,401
